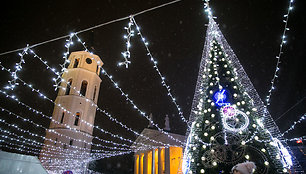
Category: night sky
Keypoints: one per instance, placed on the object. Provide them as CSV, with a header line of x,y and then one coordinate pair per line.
x,y
176,34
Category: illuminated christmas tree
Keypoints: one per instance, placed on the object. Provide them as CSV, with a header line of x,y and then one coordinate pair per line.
x,y
229,124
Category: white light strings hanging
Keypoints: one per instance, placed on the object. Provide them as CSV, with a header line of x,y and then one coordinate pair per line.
x,y
303,117
154,61
126,54
128,99
92,103
62,135
67,126
278,57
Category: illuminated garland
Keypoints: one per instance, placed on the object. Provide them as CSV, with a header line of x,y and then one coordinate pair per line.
x,y
92,103
278,57
154,61
126,54
59,134
303,117
128,99
67,126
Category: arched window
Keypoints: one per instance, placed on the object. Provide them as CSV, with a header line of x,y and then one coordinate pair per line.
x,y
83,88
62,119
68,87
94,94
97,71
71,142
76,63
77,117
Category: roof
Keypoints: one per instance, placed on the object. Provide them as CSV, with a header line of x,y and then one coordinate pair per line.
x,y
157,136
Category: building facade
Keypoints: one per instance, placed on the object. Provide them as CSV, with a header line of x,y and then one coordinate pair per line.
x,y
160,159
68,140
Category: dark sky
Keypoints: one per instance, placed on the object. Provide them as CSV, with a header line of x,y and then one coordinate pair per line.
x,y
176,35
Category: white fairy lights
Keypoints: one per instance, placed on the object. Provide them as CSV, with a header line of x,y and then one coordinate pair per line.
x,y
18,66
130,101
163,82
278,57
126,54
303,117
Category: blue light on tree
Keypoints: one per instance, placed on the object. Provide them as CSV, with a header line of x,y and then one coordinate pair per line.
x,y
220,98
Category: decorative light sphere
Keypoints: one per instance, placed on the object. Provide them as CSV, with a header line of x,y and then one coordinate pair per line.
x,y
213,127
266,163
247,157
202,171
194,148
247,112
263,150
214,163
232,79
207,121
205,134
213,115
285,170
256,138
225,66
204,146
254,109
242,102
254,125
212,138
235,95
243,143
203,158
228,72
212,104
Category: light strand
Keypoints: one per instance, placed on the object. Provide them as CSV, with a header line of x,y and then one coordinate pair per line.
x,y
163,82
303,117
57,133
126,54
130,101
278,57
94,27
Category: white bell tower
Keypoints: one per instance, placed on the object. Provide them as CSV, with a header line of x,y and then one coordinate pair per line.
x,y
67,144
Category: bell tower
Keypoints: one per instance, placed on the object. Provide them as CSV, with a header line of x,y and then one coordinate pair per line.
x,y
68,139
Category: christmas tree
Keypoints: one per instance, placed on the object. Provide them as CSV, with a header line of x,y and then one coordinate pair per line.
x,y
229,124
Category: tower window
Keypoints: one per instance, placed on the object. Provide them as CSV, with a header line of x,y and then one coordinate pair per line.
x,y
77,117
97,71
55,141
84,145
83,88
94,94
76,63
88,61
62,119
68,87
71,142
